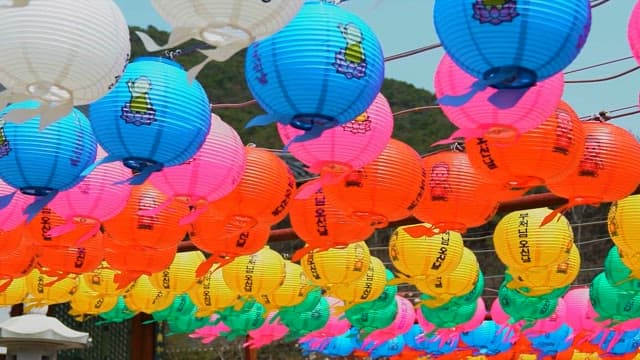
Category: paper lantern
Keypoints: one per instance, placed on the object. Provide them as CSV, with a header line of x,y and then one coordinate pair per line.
x,y
612,303
14,293
449,316
46,290
240,320
523,245
372,319
119,313
623,219
345,148
263,194
309,303
403,321
310,87
85,301
292,292
303,323
425,256
142,121
143,297
452,199
536,282
489,338
618,273
133,226
95,199
180,276
76,259
366,288
210,293
633,31
43,162
186,324
387,189
607,171
49,69
322,225
252,275
487,114
522,307
214,171
552,149
456,283
12,215
271,331
229,26
18,262
181,307
11,240
102,280
525,52
336,266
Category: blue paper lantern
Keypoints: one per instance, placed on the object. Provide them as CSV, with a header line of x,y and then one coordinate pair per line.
x,y
323,69
342,345
553,342
388,348
43,162
154,117
618,342
489,338
512,43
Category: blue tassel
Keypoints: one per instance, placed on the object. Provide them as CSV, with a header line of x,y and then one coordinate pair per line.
x,y
142,176
503,99
5,200
507,98
459,100
267,119
38,204
314,133
90,168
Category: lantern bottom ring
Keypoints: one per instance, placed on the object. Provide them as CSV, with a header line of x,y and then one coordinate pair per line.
x,y
37,190
510,77
307,122
139,164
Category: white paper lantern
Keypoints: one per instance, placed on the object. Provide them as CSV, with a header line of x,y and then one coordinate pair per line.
x,y
13,3
62,53
228,25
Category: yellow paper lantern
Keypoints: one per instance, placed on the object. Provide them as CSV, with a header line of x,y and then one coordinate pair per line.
x,y
102,280
337,265
210,293
522,244
369,287
252,275
293,291
46,290
539,282
141,296
88,302
180,276
456,283
15,292
624,223
425,256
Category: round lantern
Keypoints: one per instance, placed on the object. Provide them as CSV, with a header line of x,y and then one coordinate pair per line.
x,y
85,301
228,25
95,199
618,273
263,194
43,162
522,244
314,88
552,149
134,226
60,259
143,297
142,121
536,282
613,303
387,189
344,148
633,31
488,114
302,323
102,280
456,283
292,292
607,171
11,240
240,320
524,52
48,68
369,287
19,261
522,307
623,223
452,200
449,316
214,171
12,214
180,276
252,275
373,318
46,290
425,256
210,293
181,307
320,224
337,265
120,312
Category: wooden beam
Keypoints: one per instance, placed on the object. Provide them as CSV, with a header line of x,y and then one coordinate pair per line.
x,y
142,338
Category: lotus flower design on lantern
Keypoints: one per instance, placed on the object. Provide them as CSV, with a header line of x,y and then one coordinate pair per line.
x,y
494,12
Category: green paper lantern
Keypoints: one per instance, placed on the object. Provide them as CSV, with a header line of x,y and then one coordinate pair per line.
x,y
118,313
303,323
308,304
240,321
368,320
449,315
181,307
611,302
186,324
527,308
472,296
618,274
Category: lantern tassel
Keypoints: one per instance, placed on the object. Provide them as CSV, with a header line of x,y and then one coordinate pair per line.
x,y
38,204
204,267
49,113
193,216
90,168
178,36
267,119
314,133
92,232
418,231
502,99
5,285
67,227
125,279
5,200
142,176
221,53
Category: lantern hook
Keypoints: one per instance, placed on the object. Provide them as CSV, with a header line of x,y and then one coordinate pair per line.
x,y
458,146
172,54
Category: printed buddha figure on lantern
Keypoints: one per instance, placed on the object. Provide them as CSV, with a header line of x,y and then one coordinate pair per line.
x,y
139,110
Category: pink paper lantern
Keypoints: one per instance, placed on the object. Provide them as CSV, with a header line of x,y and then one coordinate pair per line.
x,y
500,317
97,198
402,323
453,334
211,174
550,324
580,313
271,330
633,31
426,325
12,215
484,115
346,147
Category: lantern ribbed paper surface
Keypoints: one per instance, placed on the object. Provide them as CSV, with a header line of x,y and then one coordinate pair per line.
x,y
336,266
229,25
533,38
62,53
143,297
482,115
292,292
210,293
154,117
313,87
180,276
12,215
369,287
611,302
252,275
455,283
633,31
624,223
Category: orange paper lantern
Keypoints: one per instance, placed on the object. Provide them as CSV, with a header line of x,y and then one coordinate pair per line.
x,y
77,259
38,230
387,189
544,153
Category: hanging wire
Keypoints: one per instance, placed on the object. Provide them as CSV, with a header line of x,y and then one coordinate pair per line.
x,y
603,78
598,65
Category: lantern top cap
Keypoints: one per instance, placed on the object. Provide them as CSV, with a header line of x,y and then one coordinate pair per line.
x,y
158,59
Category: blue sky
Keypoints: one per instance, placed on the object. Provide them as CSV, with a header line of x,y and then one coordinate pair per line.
x,y
407,24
